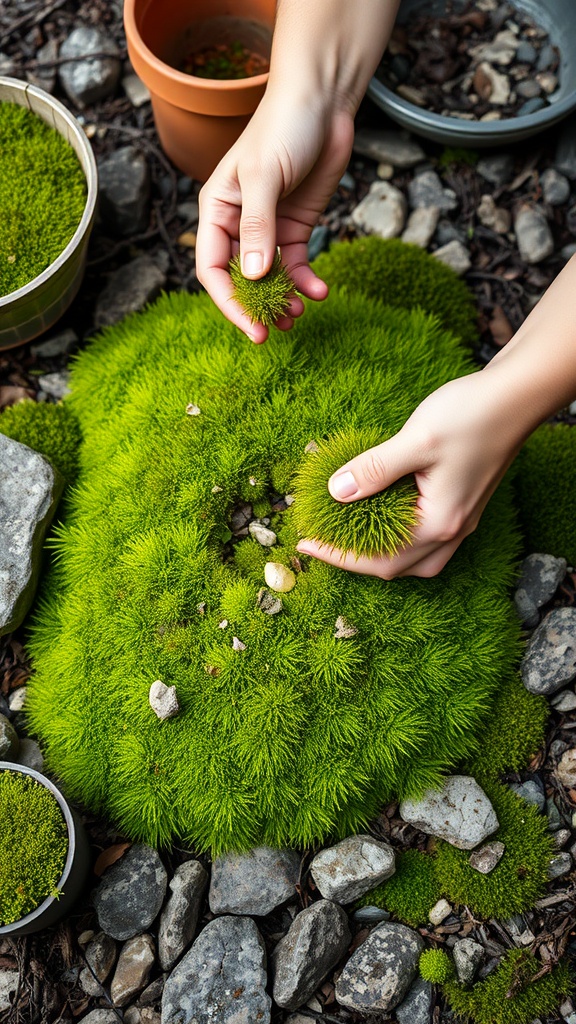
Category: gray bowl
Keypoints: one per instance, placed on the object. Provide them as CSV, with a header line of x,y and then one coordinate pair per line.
x,y
558,17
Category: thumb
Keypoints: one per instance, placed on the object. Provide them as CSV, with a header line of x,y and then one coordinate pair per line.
x,y
375,469
260,196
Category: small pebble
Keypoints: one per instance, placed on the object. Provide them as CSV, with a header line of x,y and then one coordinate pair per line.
x,y
237,644
163,700
267,538
560,865
279,577
344,630
192,410
561,837
439,912
17,698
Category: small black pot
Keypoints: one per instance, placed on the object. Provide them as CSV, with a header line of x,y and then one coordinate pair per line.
x,y
76,868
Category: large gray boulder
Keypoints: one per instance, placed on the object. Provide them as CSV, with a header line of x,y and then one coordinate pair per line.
x,y
29,492
316,940
253,883
222,979
92,79
459,813
346,871
550,659
416,1007
380,972
131,893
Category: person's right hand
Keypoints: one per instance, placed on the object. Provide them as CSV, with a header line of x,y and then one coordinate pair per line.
x,y
269,191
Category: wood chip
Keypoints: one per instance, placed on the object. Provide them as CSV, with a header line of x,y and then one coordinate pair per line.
x,y
109,857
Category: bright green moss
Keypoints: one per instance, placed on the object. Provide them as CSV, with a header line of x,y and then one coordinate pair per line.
x,y
509,995
546,485
380,524
412,890
401,275
42,196
520,876
435,966
300,736
33,845
514,732
49,429
267,299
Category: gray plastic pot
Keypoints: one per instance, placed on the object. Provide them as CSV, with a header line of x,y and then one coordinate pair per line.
x,y
31,310
76,868
558,17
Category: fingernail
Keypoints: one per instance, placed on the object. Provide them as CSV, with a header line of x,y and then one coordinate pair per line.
x,y
343,485
252,263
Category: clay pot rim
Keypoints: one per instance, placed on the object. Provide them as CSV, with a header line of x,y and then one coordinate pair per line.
x,y
182,77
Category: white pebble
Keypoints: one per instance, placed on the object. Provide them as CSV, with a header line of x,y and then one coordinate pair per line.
x,y
223,624
237,644
440,912
344,630
265,537
17,698
163,700
192,410
279,577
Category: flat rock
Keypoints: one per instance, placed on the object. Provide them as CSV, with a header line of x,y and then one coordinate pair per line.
x,y
460,813
550,659
564,701
30,755
422,224
370,915
394,148
131,893
253,883
58,345
416,1007
559,865
135,962
128,290
180,915
9,741
346,871
29,491
381,971
455,255
136,91
467,958
555,187
9,981
316,940
87,81
124,190
56,384
222,979
530,792
382,212
426,189
100,955
533,234
497,168
100,1016
566,768
539,579
487,857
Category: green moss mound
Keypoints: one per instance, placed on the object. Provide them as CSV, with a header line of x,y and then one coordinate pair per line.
x,y
267,299
435,966
403,275
42,196
49,429
546,486
412,890
33,845
379,524
511,995
514,733
299,736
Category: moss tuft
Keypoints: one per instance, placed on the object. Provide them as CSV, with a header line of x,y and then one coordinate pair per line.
x,y
546,484
511,995
49,429
267,299
33,845
412,890
380,524
514,732
435,966
400,274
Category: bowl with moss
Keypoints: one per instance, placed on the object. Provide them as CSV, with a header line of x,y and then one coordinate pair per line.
x,y
48,190
44,851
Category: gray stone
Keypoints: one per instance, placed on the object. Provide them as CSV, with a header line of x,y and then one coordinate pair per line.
x,y
459,813
56,385
9,741
562,837
318,241
136,91
45,77
546,57
370,915
380,972
101,1016
539,579
346,871
564,701
133,969
467,958
530,792
555,186
222,979
421,226
268,603
7,65
30,755
17,699
29,493
550,659
533,234
496,169
426,189
394,148
566,768
93,79
347,181
153,992
416,1007
526,53
439,912
131,893
188,211
528,89
531,106
253,883
449,232
382,212
487,857
129,289
565,156
100,956
316,940
124,180
454,255
498,218
58,345
559,865
180,915
265,537
9,981
553,815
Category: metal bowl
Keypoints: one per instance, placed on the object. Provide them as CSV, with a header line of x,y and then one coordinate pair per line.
x,y
31,310
558,17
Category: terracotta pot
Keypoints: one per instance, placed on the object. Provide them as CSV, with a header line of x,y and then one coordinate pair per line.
x,y
197,119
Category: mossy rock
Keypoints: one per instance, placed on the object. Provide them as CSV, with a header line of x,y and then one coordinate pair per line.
x,y
546,484
49,429
512,994
300,736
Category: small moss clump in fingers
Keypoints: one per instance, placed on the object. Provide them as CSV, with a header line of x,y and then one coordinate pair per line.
x,y
267,299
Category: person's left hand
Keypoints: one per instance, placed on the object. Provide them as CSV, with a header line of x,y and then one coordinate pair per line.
x,y
458,443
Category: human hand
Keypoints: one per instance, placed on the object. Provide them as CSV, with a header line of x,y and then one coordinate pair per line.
x,y
458,443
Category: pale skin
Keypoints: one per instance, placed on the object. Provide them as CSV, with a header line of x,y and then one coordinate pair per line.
x,y
270,189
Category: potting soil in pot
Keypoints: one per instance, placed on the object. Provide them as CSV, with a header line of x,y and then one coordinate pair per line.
x,y
304,696
42,196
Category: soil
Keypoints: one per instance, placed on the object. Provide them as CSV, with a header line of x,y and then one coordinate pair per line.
x,y
225,61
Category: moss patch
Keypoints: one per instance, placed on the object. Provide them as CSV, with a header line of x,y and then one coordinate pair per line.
x,y
412,890
49,429
33,845
514,733
42,196
546,488
510,995
435,966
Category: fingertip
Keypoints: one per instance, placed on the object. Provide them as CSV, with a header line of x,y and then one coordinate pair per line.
x,y
284,323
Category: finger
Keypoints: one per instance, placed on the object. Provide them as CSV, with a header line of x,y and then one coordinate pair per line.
x,y
284,323
387,568
376,468
260,194
431,565
221,289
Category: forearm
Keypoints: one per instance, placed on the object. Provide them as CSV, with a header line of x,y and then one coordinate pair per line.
x,y
329,49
